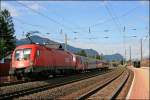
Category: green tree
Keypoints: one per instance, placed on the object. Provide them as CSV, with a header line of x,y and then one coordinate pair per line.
x,y
7,38
98,57
82,53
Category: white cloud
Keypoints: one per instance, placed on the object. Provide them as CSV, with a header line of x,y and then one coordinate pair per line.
x,y
9,7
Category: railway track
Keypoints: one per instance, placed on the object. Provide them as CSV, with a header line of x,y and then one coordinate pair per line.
x,y
102,88
75,89
105,90
12,83
55,83
16,82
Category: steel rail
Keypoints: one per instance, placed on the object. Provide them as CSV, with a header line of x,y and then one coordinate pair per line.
x,y
18,82
119,88
12,83
45,87
96,89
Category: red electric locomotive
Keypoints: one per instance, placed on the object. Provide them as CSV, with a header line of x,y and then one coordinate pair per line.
x,y
35,59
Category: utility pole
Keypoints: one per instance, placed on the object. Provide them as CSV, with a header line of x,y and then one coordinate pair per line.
x,y
130,56
125,55
124,46
65,41
141,52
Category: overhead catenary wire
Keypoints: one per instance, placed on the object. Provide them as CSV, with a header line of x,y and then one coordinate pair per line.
x,y
34,25
53,20
117,18
110,19
114,20
45,16
114,14
29,24
67,21
117,23
59,16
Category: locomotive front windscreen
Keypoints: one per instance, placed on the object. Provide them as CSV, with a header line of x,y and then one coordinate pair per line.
x,y
22,54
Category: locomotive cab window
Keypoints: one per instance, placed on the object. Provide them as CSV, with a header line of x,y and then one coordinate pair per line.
x,y
22,54
18,54
27,53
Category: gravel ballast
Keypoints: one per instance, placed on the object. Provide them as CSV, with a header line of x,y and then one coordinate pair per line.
x,y
69,88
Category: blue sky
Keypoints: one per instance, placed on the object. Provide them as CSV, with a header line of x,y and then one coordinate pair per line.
x,y
105,19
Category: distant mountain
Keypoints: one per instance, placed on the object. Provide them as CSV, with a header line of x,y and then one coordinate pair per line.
x,y
115,57
89,52
34,38
41,40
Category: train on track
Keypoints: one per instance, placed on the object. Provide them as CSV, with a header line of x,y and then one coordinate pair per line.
x,y
39,60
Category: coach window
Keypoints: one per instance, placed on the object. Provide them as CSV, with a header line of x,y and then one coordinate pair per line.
x,y
38,53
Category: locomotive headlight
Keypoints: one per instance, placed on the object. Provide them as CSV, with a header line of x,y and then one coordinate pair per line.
x,y
74,58
20,65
